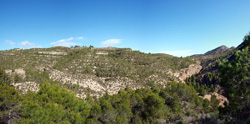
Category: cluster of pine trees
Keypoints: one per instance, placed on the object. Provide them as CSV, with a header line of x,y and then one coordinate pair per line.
x,y
177,102
235,77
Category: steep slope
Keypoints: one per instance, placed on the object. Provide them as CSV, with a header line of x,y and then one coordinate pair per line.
x,y
93,70
235,77
228,75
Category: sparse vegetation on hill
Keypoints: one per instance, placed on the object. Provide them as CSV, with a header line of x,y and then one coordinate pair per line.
x,y
92,69
113,85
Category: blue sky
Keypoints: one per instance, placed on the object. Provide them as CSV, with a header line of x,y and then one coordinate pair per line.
x,y
177,27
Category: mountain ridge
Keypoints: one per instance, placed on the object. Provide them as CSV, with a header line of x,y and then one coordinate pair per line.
x,y
94,70
216,51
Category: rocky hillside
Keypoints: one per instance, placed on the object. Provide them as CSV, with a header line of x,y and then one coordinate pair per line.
x,y
93,70
227,75
210,81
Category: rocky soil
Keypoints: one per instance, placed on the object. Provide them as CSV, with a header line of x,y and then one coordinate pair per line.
x,y
221,98
66,65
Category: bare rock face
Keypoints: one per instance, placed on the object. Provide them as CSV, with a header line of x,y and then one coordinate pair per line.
x,y
99,86
102,53
25,86
8,71
186,72
191,70
74,79
221,98
19,71
52,53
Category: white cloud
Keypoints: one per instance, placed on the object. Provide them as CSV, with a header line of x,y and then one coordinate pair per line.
x,y
67,44
10,42
111,42
64,42
79,38
29,44
26,44
179,52
70,39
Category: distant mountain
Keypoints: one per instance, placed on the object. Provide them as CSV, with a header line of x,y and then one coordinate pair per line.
x,y
217,51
